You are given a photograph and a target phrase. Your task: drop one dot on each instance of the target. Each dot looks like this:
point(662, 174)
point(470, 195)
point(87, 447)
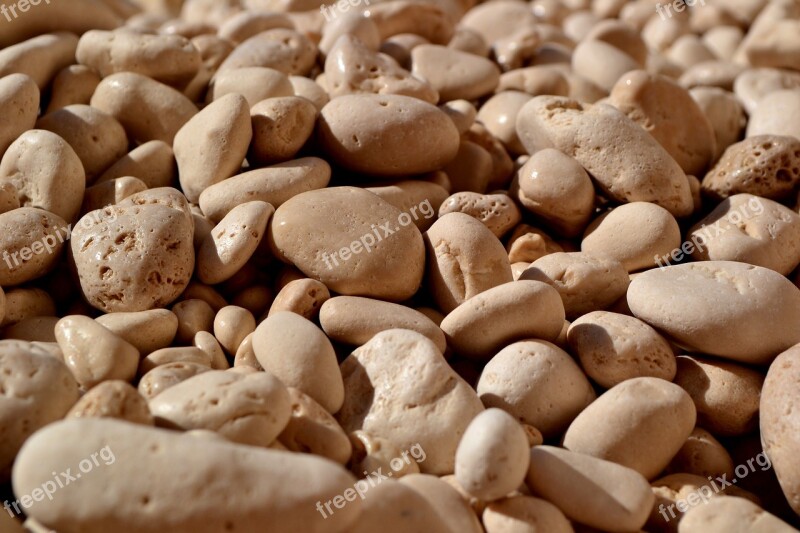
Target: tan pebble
point(472, 168)
point(350, 23)
point(715, 295)
point(466, 259)
point(651, 419)
point(763, 165)
point(180, 354)
point(32, 240)
point(585, 282)
point(689, 50)
point(621, 36)
point(45, 172)
point(209, 344)
point(35, 328)
point(304, 297)
point(399, 47)
point(162, 377)
point(585, 132)
point(426, 20)
point(520, 48)
point(22, 303)
point(152, 162)
point(395, 507)
point(461, 112)
point(723, 40)
point(142, 455)
point(309, 90)
point(496, 20)
point(776, 114)
point(470, 41)
point(312, 429)
point(371, 453)
point(702, 455)
point(538, 383)
point(93, 353)
point(754, 84)
point(199, 291)
point(380, 401)
point(598, 493)
point(639, 235)
point(521, 513)
point(527, 244)
point(19, 102)
point(499, 115)
point(446, 500)
point(193, 315)
point(245, 24)
point(97, 137)
point(613, 348)
point(473, 78)
point(40, 57)
point(146, 330)
point(147, 109)
point(245, 357)
point(555, 187)
point(472, 165)
point(420, 199)
point(726, 394)
point(497, 211)
point(535, 81)
point(772, 39)
point(725, 113)
point(282, 49)
point(281, 126)
point(602, 63)
point(113, 399)
point(254, 83)
point(231, 325)
point(245, 408)
point(387, 135)
point(732, 514)
point(503, 314)
point(353, 320)
point(298, 353)
point(670, 489)
point(111, 192)
point(352, 68)
point(8, 197)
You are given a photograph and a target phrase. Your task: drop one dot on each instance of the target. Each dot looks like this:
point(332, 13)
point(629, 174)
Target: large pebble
point(733, 515)
point(456, 75)
point(777, 113)
point(18, 95)
point(146, 330)
point(31, 241)
point(432, 410)
point(733, 310)
point(203, 468)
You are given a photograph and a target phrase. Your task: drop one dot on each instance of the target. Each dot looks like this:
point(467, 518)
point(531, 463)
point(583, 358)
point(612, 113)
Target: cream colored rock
point(387, 135)
point(499, 115)
point(8, 198)
point(772, 40)
point(232, 242)
point(144, 455)
point(429, 21)
point(209, 344)
point(702, 455)
point(39, 57)
point(538, 383)
point(111, 192)
point(497, 211)
point(725, 113)
point(352, 23)
point(19, 98)
point(754, 84)
point(602, 63)
point(448, 503)
point(245, 408)
point(310, 90)
point(34, 329)
point(179, 354)
point(303, 296)
point(147, 109)
point(466, 259)
point(170, 59)
point(584, 282)
point(113, 399)
point(74, 84)
point(350, 240)
point(740, 312)
point(312, 429)
point(504, 314)
point(379, 400)
point(254, 83)
point(231, 325)
point(281, 126)
point(37, 389)
point(524, 513)
point(202, 159)
point(639, 235)
point(613, 348)
point(733, 514)
point(194, 315)
point(763, 165)
point(274, 185)
point(640, 423)
point(395, 507)
point(627, 162)
point(46, 173)
point(492, 457)
point(147, 331)
point(472, 168)
point(352, 67)
point(527, 244)
point(297, 352)
point(245, 24)
point(282, 49)
point(152, 162)
point(493, 21)
point(462, 113)
point(454, 74)
point(32, 240)
point(416, 198)
point(591, 491)
point(535, 81)
point(93, 353)
point(621, 36)
point(371, 453)
point(776, 114)
point(22, 303)
point(165, 376)
point(353, 320)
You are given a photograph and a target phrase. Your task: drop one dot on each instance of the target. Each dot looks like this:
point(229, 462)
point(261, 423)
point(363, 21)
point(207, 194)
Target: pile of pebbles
point(400, 266)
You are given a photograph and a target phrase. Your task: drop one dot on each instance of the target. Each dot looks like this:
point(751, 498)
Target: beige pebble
point(538, 383)
point(298, 353)
point(303, 296)
point(379, 400)
point(282, 49)
point(152, 162)
point(312, 429)
point(32, 240)
point(193, 315)
point(113, 399)
point(353, 320)
point(232, 242)
point(754, 84)
point(426, 20)
point(602, 63)
point(535, 81)
point(499, 115)
point(180, 354)
point(503, 314)
point(501, 163)
point(496, 20)
point(253, 83)
point(726, 395)
point(231, 325)
point(414, 197)
point(584, 282)
point(34, 329)
point(8, 197)
point(209, 344)
point(598, 493)
point(281, 126)
point(621, 36)
point(472, 168)
point(198, 466)
point(466, 259)
point(714, 297)
point(245, 408)
point(339, 236)
point(639, 235)
point(46, 173)
point(497, 211)
point(245, 24)
point(93, 353)
point(19, 102)
point(776, 114)
point(146, 330)
point(310, 90)
point(350, 23)
point(454, 74)
point(371, 453)
point(527, 244)
point(640, 423)
point(725, 113)
point(702, 455)
point(40, 57)
point(732, 514)
point(711, 74)
point(446, 500)
point(492, 457)
point(22, 303)
point(524, 513)
point(165, 376)
point(111, 192)
point(613, 348)
point(50, 391)
point(395, 507)
point(74, 84)
point(147, 109)
point(592, 134)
